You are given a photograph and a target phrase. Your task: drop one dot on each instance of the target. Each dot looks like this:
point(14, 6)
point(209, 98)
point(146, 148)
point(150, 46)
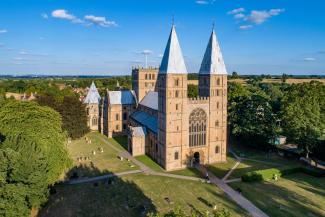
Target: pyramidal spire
point(93, 95)
point(212, 62)
point(173, 60)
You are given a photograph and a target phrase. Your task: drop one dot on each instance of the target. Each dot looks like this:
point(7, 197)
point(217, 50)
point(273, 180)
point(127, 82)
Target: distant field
point(288, 81)
point(274, 80)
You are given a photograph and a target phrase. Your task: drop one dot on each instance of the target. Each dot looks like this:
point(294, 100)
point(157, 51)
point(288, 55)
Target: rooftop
point(93, 95)
point(121, 97)
point(150, 100)
point(146, 120)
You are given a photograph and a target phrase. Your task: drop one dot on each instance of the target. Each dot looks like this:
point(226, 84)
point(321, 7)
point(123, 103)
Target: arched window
point(218, 81)
point(217, 149)
point(176, 155)
point(176, 82)
point(117, 117)
point(197, 126)
point(94, 121)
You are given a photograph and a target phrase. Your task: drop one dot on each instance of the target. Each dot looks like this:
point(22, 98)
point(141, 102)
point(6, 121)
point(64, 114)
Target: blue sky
point(106, 37)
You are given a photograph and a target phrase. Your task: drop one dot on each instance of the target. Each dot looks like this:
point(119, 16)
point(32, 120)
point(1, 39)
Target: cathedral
point(158, 117)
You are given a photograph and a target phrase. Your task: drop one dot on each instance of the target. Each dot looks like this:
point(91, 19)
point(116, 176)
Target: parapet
point(198, 100)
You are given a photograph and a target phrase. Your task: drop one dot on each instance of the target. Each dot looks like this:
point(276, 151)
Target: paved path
point(125, 154)
point(238, 198)
point(230, 171)
point(234, 195)
point(232, 180)
point(98, 178)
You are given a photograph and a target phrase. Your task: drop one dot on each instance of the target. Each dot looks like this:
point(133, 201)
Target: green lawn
point(146, 160)
point(221, 169)
point(125, 196)
point(120, 142)
point(254, 160)
point(157, 168)
point(106, 162)
point(297, 195)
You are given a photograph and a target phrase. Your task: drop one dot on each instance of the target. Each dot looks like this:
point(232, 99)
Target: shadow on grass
point(108, 197)
point(287, 199)
point(121, 141)
point(84, 171)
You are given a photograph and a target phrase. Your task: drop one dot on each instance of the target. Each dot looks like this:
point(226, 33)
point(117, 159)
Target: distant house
point(21, 96)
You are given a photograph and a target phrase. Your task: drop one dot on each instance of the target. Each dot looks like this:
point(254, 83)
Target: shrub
point(264, 175)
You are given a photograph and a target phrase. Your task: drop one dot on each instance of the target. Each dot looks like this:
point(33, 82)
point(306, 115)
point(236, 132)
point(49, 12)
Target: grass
point(188, 172)
point(157, 168)
point(120, 142)
point(296, 195)
point(146, 160)
point(125, 196)
point(106, 162)
point(221, 169)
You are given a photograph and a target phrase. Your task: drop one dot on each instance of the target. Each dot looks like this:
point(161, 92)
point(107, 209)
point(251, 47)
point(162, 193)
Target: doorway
point(197, 158)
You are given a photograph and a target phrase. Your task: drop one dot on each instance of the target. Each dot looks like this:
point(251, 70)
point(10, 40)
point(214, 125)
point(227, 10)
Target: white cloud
point(259, 17)
point(160, 55)
point(45, 16)
point(245, 27)
point(201, 2)
point(3, 31)
point(239, 16)
point(101, 21)
point(23, 52)
point(255, 17)
point(309, 59)
point(64, 14)
point(236, 11)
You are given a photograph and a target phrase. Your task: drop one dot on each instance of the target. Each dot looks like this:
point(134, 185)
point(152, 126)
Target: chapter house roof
point(123, 97)
point(150, 100)
point(173, 60)
point(212, 62)
point(93, 95)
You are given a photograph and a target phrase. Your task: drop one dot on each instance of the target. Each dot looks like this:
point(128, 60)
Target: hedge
point(268, 174)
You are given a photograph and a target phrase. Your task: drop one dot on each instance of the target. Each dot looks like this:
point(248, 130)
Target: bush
point(264, 175)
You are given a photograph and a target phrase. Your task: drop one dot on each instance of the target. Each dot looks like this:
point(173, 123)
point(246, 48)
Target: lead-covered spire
point(173, 60)
point(93, 95)
point(212, 62)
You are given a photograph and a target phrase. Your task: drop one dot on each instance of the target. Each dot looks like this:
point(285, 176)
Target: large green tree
point(251, 117)
point(303, 115)
point(72, 111)
point(32, 155)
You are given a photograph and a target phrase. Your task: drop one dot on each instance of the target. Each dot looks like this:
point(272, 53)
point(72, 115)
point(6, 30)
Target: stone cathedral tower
point(172, 101)
point(213, 84)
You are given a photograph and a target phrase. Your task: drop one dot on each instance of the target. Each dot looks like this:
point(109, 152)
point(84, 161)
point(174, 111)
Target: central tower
point(172, 101)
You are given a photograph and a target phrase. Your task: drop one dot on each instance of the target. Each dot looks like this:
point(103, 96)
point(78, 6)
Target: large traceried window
point(197, 128)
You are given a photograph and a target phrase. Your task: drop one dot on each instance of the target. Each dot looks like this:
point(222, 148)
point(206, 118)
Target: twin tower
point(191, 130)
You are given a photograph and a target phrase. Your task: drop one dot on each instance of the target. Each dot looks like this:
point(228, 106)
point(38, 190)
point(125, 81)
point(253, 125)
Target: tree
point(234, 75)
point(284, 77)
point(72, 111)
point(303, 115)
point(32, 155)
point(253, 121)
point(192, 91)
point(38, 125)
